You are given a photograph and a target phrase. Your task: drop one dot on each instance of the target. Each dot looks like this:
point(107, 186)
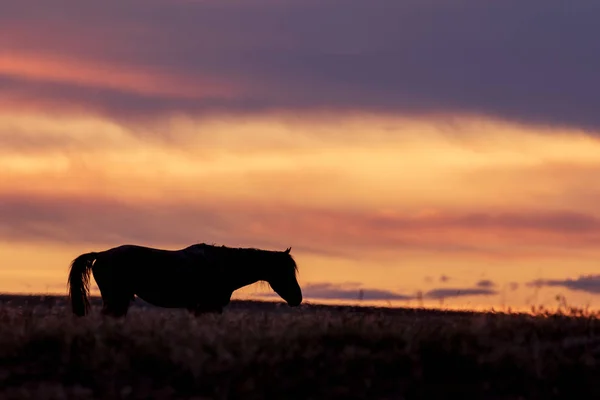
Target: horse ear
point(288, 250)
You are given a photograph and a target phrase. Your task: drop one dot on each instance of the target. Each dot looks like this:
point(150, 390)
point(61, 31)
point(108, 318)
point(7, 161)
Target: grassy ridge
point(313, 352)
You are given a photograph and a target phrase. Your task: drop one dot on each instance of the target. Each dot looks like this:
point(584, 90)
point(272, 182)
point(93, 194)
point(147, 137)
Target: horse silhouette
point(200, 277)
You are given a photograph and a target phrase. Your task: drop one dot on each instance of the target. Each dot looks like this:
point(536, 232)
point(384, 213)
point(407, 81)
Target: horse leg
point(116, 305)
point(214, 305)
point(115, 298)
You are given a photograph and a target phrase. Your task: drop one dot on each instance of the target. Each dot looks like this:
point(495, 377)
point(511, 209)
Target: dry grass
point(318, 353)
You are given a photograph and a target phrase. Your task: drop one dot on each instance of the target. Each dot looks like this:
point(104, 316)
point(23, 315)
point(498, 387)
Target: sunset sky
point(398, 146)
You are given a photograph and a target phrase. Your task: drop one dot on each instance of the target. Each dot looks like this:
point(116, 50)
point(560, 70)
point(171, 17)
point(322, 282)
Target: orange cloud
point(171, 122)
point(382, 201)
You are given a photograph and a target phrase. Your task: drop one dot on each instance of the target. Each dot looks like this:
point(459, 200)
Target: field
point(266, 350)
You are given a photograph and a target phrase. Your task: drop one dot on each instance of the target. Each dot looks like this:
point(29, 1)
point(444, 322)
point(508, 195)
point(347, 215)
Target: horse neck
point(249, 268)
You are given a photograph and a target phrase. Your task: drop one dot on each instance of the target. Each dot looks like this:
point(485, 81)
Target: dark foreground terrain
point(264, 350)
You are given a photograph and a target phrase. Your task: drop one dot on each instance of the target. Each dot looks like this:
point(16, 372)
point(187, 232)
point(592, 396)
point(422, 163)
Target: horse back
point(188, 263)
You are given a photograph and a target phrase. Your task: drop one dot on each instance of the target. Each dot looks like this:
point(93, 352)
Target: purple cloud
point(584, 283)
point(522, 61)
point(458, 292)
point(485, 283)
point(326, 290)
point(331, 291)
point(341, 292)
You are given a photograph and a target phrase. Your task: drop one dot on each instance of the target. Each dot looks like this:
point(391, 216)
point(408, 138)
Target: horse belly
point(161, 299)
point(167, 292)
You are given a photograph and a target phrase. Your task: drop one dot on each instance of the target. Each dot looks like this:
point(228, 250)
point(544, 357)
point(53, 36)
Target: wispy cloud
point(263, 55)
point(584, 283)
point(485, 283)
point(445, 293)
point(342, 292)
point(331, 291)
point(549, 221)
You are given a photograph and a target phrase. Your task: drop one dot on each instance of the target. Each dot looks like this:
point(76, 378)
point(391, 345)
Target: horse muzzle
point(295, 302)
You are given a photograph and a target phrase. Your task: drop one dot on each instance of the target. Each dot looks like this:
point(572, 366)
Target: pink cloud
point(102, 220)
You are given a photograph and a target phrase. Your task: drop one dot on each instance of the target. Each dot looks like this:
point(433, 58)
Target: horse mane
point(235, 252)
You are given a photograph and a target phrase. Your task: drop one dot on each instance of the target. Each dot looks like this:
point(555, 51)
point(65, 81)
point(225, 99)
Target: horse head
point(282, 277)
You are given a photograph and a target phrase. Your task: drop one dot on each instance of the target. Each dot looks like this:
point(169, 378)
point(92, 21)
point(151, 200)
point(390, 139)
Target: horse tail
point(78, 283)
